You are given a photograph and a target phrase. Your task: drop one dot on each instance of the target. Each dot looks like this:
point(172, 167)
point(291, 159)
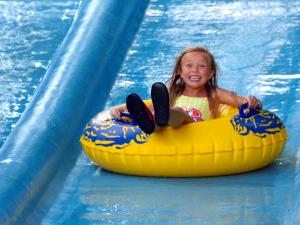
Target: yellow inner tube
point(226, 145)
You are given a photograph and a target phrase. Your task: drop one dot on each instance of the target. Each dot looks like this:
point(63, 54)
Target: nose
point(195, 68)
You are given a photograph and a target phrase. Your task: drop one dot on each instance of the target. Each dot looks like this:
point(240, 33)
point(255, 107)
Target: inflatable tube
point(234, 143)
point(44, 145)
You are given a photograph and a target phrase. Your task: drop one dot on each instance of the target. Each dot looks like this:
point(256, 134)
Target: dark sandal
point(140, 113)
point(160, 100)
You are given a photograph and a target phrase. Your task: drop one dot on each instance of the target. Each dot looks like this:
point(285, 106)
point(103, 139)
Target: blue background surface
point(256, 46)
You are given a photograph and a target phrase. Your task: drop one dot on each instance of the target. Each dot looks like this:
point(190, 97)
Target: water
point(30, 32)
point(245, 37)
point(256, 46)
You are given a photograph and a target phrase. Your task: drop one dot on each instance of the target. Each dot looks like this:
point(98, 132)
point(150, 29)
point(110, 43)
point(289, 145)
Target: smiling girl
point(192, 95)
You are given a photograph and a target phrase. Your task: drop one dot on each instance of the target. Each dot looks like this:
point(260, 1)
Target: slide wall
point(75, 87)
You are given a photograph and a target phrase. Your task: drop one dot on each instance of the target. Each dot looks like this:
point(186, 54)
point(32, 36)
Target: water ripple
point(30, 32)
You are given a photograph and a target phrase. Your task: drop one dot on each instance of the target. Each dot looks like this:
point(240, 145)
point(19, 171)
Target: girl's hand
point(116, 111)
point(254, 103)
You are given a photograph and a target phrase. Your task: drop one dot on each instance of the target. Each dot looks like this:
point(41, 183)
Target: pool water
point(30, 32)
point(256, 45)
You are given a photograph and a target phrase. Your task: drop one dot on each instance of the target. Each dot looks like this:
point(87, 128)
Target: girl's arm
point(230, 98)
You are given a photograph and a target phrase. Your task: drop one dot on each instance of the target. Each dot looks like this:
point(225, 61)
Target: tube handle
point(245, 112)
point(127, 119)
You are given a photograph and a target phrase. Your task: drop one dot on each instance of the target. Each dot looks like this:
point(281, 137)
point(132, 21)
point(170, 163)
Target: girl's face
point(195, 70)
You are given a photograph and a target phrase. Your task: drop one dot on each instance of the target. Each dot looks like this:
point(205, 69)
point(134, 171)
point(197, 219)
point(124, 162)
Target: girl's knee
point(178, 117)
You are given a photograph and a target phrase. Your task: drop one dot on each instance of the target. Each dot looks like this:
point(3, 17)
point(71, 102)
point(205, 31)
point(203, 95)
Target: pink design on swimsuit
point(195, 114)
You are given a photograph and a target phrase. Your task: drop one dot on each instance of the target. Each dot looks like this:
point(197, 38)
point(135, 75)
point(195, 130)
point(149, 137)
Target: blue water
point(256, 45)
point(30, 33)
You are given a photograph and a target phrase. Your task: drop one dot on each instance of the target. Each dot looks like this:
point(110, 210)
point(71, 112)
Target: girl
point(192, 95)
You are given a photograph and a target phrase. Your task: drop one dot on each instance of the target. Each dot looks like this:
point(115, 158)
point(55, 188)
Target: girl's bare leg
point(178, 117)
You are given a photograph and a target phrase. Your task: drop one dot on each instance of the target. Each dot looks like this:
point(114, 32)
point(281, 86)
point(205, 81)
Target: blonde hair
point(176, 85)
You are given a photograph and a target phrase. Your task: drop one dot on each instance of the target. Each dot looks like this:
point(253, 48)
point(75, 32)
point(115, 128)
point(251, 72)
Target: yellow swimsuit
point(196, 107)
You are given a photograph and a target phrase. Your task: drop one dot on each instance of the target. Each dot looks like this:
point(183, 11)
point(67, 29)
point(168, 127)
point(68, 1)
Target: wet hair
point(176, 85)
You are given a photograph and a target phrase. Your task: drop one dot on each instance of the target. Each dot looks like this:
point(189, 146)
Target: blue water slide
point(75, 86)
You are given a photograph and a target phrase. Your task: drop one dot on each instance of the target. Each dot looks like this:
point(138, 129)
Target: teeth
point(194, 78)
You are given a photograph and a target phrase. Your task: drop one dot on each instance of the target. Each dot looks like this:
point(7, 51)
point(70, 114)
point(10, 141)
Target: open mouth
point(194, 78)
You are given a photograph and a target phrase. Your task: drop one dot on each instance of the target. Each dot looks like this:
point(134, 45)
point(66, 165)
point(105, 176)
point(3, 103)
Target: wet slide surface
point(256, 46)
